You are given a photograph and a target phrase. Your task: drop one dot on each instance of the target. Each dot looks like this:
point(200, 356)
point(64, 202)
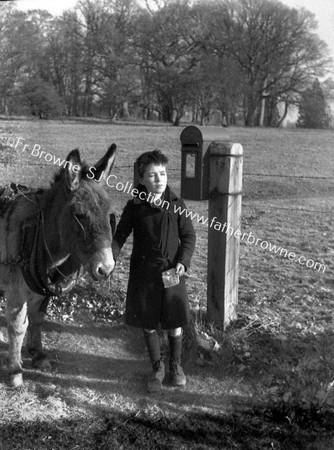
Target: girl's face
point(155, 178)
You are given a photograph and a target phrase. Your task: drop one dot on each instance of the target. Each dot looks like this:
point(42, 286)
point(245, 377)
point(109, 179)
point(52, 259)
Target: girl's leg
point(155, 379)
point(177, 376)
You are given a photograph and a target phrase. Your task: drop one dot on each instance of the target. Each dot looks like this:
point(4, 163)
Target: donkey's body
point(71, 227)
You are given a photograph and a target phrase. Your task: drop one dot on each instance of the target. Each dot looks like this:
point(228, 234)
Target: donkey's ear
point(105, 164)
point(73, 170)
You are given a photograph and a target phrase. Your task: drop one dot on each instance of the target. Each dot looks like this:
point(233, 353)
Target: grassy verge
point(265, 383)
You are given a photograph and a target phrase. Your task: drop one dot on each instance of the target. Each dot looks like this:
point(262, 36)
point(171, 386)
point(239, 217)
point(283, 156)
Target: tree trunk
point(224, 119)
point(125, 110)
point(202, 117)
point(198, 115)
point(167, 114)
point(177, 119)
point(251, 114)
point(286, 108)
point(250, 119)
point(178, 116)
point(75, 103)
point(251, 102)
point(263, 103)
point(5, 106)
point(193, 115)
point(262, 112)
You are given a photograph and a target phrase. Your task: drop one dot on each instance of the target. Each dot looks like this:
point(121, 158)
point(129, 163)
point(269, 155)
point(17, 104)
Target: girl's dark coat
point(161, 238)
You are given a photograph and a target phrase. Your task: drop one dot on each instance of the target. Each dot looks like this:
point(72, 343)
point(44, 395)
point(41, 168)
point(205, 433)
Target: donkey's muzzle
point(102, 264)
point(103, 271)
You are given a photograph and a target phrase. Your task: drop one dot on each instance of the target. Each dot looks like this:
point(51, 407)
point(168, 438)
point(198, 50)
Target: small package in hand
point(170, 278)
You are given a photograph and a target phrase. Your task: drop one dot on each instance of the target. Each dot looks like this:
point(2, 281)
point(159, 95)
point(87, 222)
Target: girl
point(163, 240)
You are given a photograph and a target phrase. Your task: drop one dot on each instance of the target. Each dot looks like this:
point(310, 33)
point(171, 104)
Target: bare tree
point(275, 47)
point(169, 56)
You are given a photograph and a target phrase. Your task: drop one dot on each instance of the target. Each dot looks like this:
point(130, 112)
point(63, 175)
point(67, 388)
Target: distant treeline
point(248, 60)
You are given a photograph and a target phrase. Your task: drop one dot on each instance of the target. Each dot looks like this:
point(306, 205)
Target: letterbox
point(194, 165)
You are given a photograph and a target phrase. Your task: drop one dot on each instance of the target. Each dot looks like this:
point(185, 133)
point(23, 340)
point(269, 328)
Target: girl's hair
point(147, 158)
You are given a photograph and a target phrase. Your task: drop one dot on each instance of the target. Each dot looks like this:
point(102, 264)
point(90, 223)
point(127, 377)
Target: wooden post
point(224, 231)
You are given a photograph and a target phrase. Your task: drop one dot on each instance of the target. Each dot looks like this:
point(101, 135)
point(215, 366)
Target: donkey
point(46, 235)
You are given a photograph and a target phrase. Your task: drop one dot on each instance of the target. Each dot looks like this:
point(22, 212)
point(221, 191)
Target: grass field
point(270, 384)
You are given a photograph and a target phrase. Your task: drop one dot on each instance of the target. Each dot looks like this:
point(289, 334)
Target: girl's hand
point(180, 270)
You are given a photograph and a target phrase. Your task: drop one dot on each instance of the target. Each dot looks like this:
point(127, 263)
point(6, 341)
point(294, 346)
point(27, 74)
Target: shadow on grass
point(75, 329)
point(243, 430)
point(248, 424)
point(110, 378)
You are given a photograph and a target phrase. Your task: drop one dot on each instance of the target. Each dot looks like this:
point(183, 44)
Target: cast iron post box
point(194, 165)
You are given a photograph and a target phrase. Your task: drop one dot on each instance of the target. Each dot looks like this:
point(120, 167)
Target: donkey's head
point(84, 220)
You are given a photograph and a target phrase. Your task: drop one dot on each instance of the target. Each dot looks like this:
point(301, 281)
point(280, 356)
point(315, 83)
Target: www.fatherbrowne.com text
point(128, 188)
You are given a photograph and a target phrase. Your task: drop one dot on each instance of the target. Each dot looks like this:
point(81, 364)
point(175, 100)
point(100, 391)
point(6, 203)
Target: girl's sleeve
point(123, 230)
point(187, 238)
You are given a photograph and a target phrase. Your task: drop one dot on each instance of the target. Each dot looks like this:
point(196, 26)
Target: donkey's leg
point(36, 315)
point(17, 324)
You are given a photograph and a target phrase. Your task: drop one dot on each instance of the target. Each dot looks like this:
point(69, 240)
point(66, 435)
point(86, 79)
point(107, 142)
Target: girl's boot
point(177, 376)
point(155, 379)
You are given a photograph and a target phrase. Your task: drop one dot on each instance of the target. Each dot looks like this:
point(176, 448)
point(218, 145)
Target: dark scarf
point(168, 218)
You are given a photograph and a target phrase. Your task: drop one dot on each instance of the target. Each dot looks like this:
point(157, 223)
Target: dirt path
point(97, 383)
point(111, 361)
point(95, 398)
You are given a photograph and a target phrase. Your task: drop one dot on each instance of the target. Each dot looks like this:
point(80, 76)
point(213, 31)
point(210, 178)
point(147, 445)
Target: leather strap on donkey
point(10, 192)
point(34, 255)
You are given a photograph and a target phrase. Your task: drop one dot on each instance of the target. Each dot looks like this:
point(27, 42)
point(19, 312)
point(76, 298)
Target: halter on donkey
point(45, 237)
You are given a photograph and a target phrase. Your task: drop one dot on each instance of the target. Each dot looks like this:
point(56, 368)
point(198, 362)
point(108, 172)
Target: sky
point(323, 10)
point(324, 13)
point(55, 7)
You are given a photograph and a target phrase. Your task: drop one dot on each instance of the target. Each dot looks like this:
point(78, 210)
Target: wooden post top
point(225, 148)
point(225, 168)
